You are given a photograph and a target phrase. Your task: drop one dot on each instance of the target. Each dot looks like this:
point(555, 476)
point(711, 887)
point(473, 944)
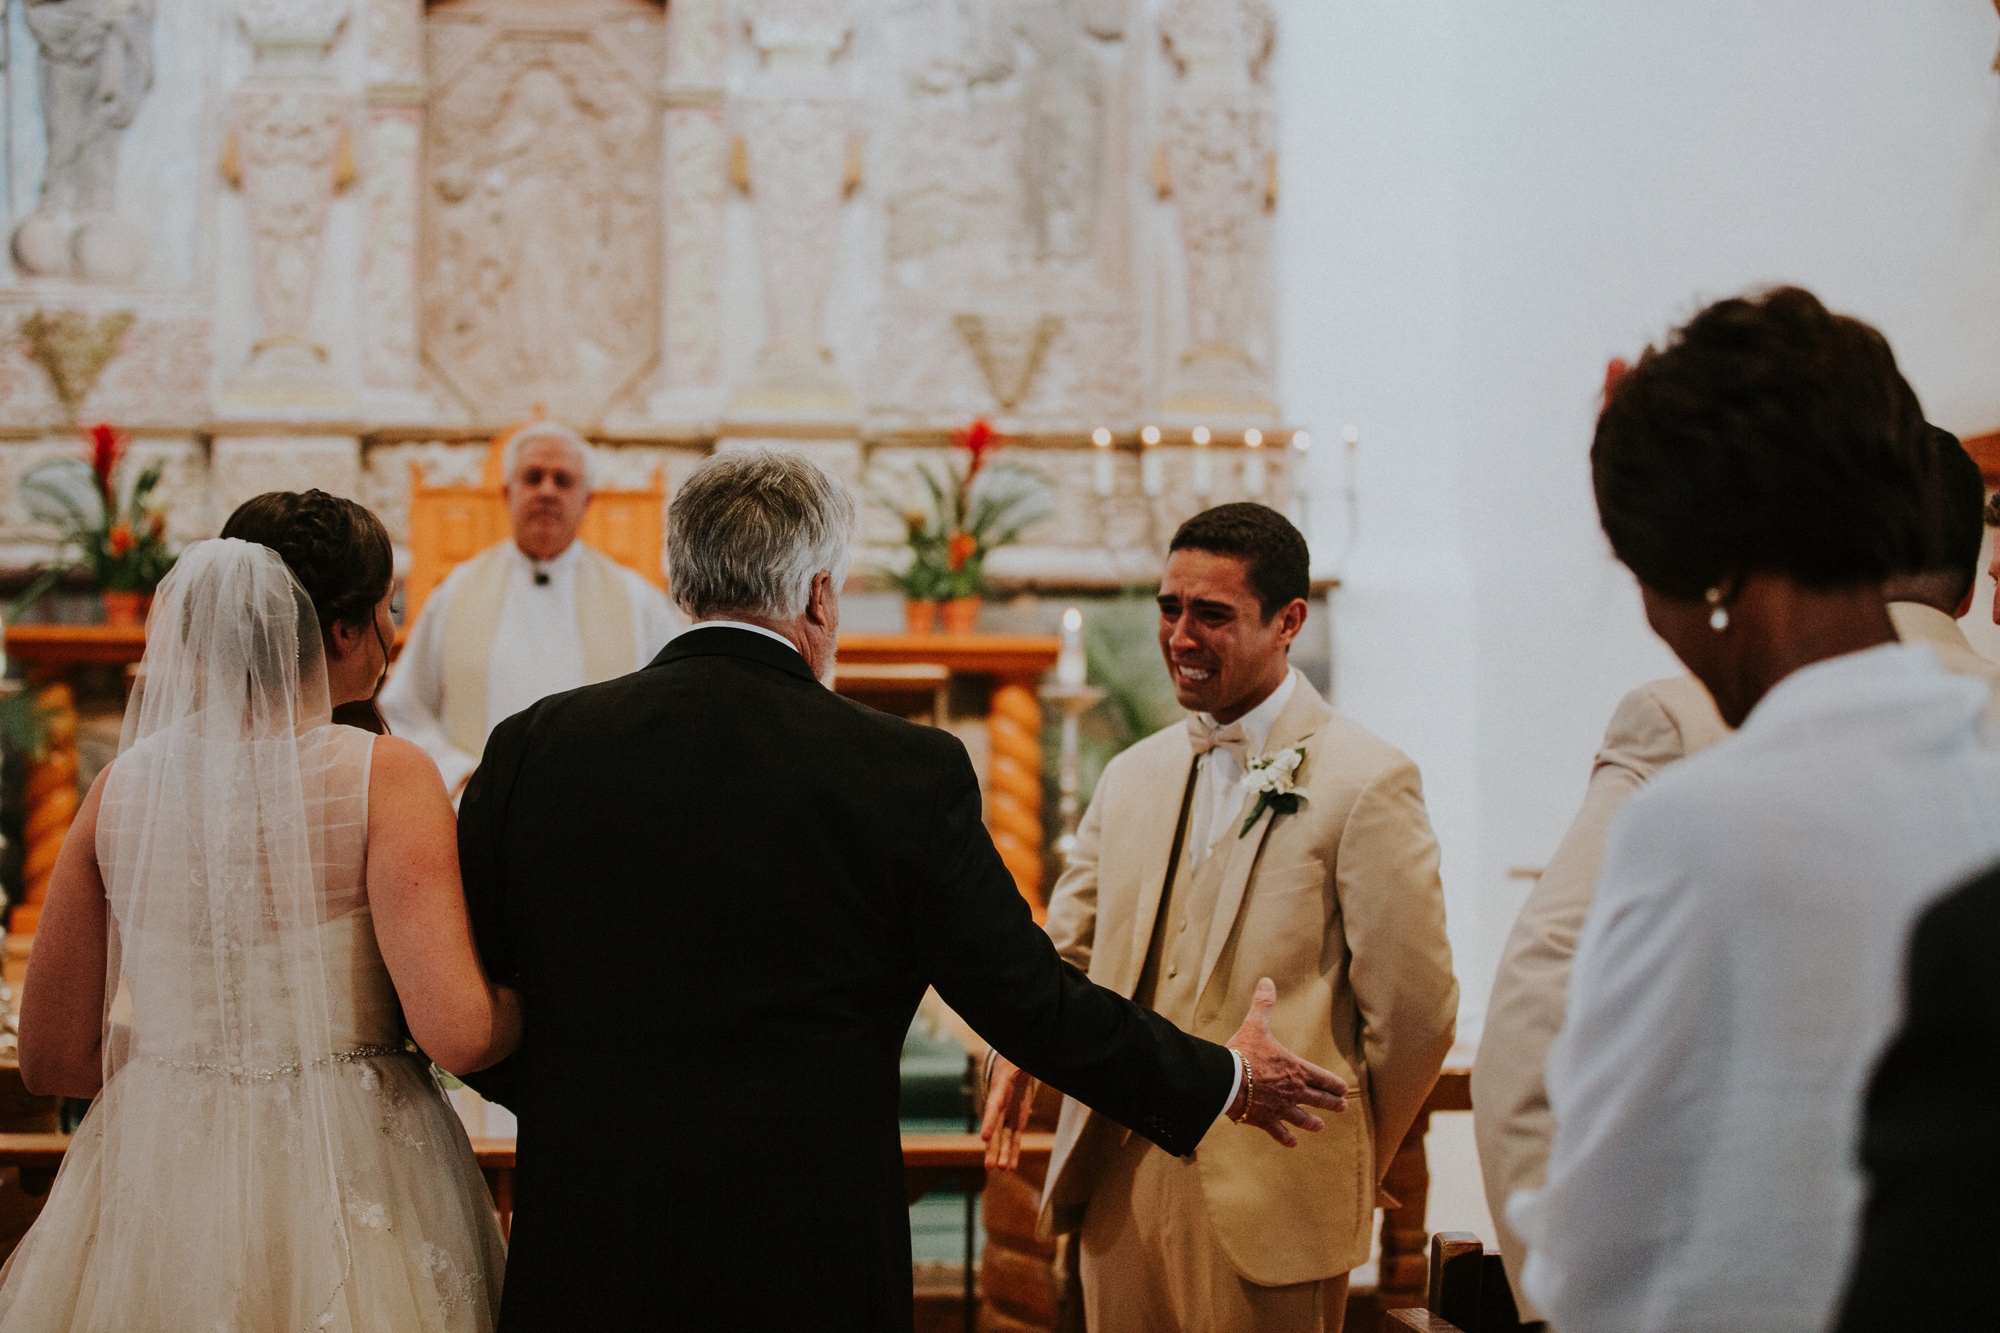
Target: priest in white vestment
point(528, 617)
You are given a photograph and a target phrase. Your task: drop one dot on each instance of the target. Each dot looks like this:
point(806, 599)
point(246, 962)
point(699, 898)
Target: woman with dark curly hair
point(1761, 475)
point(252, 903)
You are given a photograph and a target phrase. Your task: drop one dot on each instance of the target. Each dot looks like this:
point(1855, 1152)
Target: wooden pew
point(1468, 1291)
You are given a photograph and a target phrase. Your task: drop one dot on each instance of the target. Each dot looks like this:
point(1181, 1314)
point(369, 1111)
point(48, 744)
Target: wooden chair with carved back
point(450, 524)
point(1469, 1292)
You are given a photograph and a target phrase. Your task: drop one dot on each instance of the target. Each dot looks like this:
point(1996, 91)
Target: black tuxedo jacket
point(1931, 1138)
point(721, 890)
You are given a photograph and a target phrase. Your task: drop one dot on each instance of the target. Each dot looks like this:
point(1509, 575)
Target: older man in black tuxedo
point(722, 890)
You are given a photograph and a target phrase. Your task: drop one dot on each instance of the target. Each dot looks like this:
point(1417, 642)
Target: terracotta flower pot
point(920, 617)
point(961, 615)
point(125, 610)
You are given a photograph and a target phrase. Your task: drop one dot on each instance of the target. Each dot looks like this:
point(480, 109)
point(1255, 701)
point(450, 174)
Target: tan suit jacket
point(1339, 903)
point(1654, 725)
point(1917, 623)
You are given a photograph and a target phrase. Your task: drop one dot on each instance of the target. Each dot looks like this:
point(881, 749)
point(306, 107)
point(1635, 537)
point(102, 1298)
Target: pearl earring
point(1718, 619)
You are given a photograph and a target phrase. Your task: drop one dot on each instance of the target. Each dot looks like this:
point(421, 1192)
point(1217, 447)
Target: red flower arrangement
point(975, 507)
point(121, 541)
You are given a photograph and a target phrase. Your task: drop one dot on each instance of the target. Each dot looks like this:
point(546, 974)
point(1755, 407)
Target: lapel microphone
point(541, 578)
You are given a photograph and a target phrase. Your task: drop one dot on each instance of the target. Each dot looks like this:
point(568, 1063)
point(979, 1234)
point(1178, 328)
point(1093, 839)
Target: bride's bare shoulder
point(401, 766)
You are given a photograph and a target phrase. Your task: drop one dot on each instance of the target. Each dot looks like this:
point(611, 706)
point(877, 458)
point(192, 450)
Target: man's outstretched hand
point(1279, 1086)
point(1010, 1096)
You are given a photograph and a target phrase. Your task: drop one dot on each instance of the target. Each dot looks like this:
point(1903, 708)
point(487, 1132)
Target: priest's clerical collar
point(542, 572)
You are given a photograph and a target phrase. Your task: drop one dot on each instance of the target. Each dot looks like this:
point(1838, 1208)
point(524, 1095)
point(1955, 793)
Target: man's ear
point(823, 598)
point(1292, 619)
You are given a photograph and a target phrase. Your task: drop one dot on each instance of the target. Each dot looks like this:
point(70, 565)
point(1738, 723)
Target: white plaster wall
point(1486, 201)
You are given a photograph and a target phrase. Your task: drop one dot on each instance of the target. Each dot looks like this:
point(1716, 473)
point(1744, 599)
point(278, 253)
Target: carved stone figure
point(1217, 163)
point(799, 166)
point(1062, 120)
point(1019, 90)
point(289, 148)
point(541, 246)
point(95, 69)
point(697, 187)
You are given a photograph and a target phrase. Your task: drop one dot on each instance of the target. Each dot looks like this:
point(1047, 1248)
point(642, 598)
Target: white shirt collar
point(1257, 723)
point(743, 624)
point(556, 566)
point(1889, 678)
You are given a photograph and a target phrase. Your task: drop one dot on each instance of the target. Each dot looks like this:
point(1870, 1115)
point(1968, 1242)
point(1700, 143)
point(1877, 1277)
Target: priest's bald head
point(762, 537)
point(547, 466)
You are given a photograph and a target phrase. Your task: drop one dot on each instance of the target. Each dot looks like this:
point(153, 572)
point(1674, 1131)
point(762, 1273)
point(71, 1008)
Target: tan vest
point(603, 622)
point(1172, 969)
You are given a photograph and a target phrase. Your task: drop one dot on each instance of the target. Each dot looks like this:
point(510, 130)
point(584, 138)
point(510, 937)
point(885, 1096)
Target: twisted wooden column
point(1014, 785)
point(1403, 1268)
point(50, 801)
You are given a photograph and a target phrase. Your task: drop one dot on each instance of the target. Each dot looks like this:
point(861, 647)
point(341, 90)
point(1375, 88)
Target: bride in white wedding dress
point(247, 895)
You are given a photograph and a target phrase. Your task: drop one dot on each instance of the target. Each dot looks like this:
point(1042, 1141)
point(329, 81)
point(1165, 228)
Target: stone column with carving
point(393, 136)
point(799, 162)
point(1216, 161)
point(697, 185)
point(94, 71)
point(289, 148)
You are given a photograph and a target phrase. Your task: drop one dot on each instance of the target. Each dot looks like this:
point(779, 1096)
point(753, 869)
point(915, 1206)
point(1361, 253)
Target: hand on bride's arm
point(461, 1019)
point(62, 1012)
point(1010, 1097)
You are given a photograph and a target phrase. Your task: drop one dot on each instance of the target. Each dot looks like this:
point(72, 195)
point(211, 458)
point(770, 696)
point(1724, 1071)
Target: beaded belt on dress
point(246, 1074)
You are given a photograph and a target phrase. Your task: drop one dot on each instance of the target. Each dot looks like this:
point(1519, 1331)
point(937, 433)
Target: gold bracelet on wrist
point(1249, 1085)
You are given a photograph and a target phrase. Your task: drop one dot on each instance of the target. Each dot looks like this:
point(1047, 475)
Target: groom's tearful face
point(1224, 654)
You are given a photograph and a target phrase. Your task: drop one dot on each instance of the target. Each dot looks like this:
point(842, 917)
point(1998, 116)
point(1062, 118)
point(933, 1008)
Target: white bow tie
point(1206, 735)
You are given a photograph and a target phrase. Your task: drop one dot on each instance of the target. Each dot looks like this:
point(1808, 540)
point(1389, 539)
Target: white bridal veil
point(263, 1157)
point(219, 1200)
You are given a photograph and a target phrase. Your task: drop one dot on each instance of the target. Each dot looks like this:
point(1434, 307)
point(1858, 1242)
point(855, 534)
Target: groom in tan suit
point(1187, 886)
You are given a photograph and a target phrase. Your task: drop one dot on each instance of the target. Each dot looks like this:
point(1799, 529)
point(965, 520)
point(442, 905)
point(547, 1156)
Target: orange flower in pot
point(974, 507)
point(112, 528)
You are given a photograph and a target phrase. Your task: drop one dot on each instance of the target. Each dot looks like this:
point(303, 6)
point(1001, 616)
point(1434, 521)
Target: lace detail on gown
point(184, 1201)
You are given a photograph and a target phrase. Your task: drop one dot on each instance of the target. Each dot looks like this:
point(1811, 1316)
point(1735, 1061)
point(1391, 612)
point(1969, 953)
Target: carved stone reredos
point(541, 205)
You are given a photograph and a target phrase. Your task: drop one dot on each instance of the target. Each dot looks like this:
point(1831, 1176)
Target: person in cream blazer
point(1654, 726)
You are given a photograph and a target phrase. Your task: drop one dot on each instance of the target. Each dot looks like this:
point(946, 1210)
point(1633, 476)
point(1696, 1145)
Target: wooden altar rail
point(938, 1161)
point(930, 1162)
point(1013, 662)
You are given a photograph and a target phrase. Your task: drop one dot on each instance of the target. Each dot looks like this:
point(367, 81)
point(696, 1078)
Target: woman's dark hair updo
point(1768, 436)
point(337, 550)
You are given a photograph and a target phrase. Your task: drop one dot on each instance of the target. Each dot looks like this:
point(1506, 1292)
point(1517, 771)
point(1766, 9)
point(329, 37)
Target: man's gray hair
point(750, 529)
point(510, 452)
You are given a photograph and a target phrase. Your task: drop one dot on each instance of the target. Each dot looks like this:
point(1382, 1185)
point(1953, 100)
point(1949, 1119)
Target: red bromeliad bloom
point(961, 549)
point(103, 454)
point(120, 540)
point(978, 439)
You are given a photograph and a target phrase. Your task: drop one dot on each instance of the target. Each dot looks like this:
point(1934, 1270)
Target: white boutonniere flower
point(1271, 777)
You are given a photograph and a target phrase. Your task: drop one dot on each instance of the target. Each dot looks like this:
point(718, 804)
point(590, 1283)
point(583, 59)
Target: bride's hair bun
point(337, 549)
